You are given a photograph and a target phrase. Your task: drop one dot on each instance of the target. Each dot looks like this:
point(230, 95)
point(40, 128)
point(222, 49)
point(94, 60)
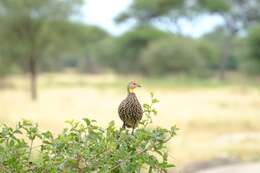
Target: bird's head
point(131, 86)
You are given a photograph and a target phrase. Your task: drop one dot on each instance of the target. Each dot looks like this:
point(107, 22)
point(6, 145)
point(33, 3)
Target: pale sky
point(103, 12)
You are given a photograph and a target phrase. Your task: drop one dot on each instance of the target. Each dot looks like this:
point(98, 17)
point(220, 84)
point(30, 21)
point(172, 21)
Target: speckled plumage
point(130, 111)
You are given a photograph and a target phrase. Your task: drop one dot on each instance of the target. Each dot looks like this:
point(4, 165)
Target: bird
point(130, 110)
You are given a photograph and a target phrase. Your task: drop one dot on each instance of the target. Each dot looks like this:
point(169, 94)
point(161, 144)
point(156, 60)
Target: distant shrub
point(173, 55)
point(85, 147)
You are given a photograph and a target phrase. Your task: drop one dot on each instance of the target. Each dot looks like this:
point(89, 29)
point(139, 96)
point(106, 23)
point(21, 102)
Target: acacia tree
point(28, 28)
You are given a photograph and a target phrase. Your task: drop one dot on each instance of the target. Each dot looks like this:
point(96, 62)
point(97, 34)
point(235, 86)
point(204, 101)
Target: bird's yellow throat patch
point(131, 90)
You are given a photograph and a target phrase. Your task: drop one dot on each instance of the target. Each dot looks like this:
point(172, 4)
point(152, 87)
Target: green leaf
point(154, 111)
point(87, 121)
point(146, 106)
point(154, 100)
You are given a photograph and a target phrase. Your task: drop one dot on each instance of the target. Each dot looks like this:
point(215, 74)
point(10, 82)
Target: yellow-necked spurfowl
point(130, 110)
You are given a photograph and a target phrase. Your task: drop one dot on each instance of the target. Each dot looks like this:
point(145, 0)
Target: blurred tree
point(216, 38)
point(237, 16)
point(106, 52)
point(90, 39)
point(74, 47)
point(174, 55)
point(145, 12)
point(240, 57)
point(209, 51)
point(130, 45)
point(27, 29)
point(254, 48)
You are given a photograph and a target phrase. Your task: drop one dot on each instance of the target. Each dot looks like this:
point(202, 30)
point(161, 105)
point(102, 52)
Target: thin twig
point(30, 150)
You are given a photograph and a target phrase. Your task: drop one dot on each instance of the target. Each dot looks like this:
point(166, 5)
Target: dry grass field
point(214, 120)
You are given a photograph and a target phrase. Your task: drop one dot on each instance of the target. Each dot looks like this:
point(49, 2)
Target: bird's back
point(130, 111)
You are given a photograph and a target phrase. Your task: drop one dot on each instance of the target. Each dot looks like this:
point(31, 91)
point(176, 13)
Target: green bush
point(85, 147)
point(173, 55)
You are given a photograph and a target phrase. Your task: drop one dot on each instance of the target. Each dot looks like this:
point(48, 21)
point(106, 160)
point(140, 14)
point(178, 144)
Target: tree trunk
point(33, 77)
point(224, 58)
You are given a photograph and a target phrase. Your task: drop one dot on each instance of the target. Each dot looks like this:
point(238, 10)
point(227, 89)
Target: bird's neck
point(130, 91)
